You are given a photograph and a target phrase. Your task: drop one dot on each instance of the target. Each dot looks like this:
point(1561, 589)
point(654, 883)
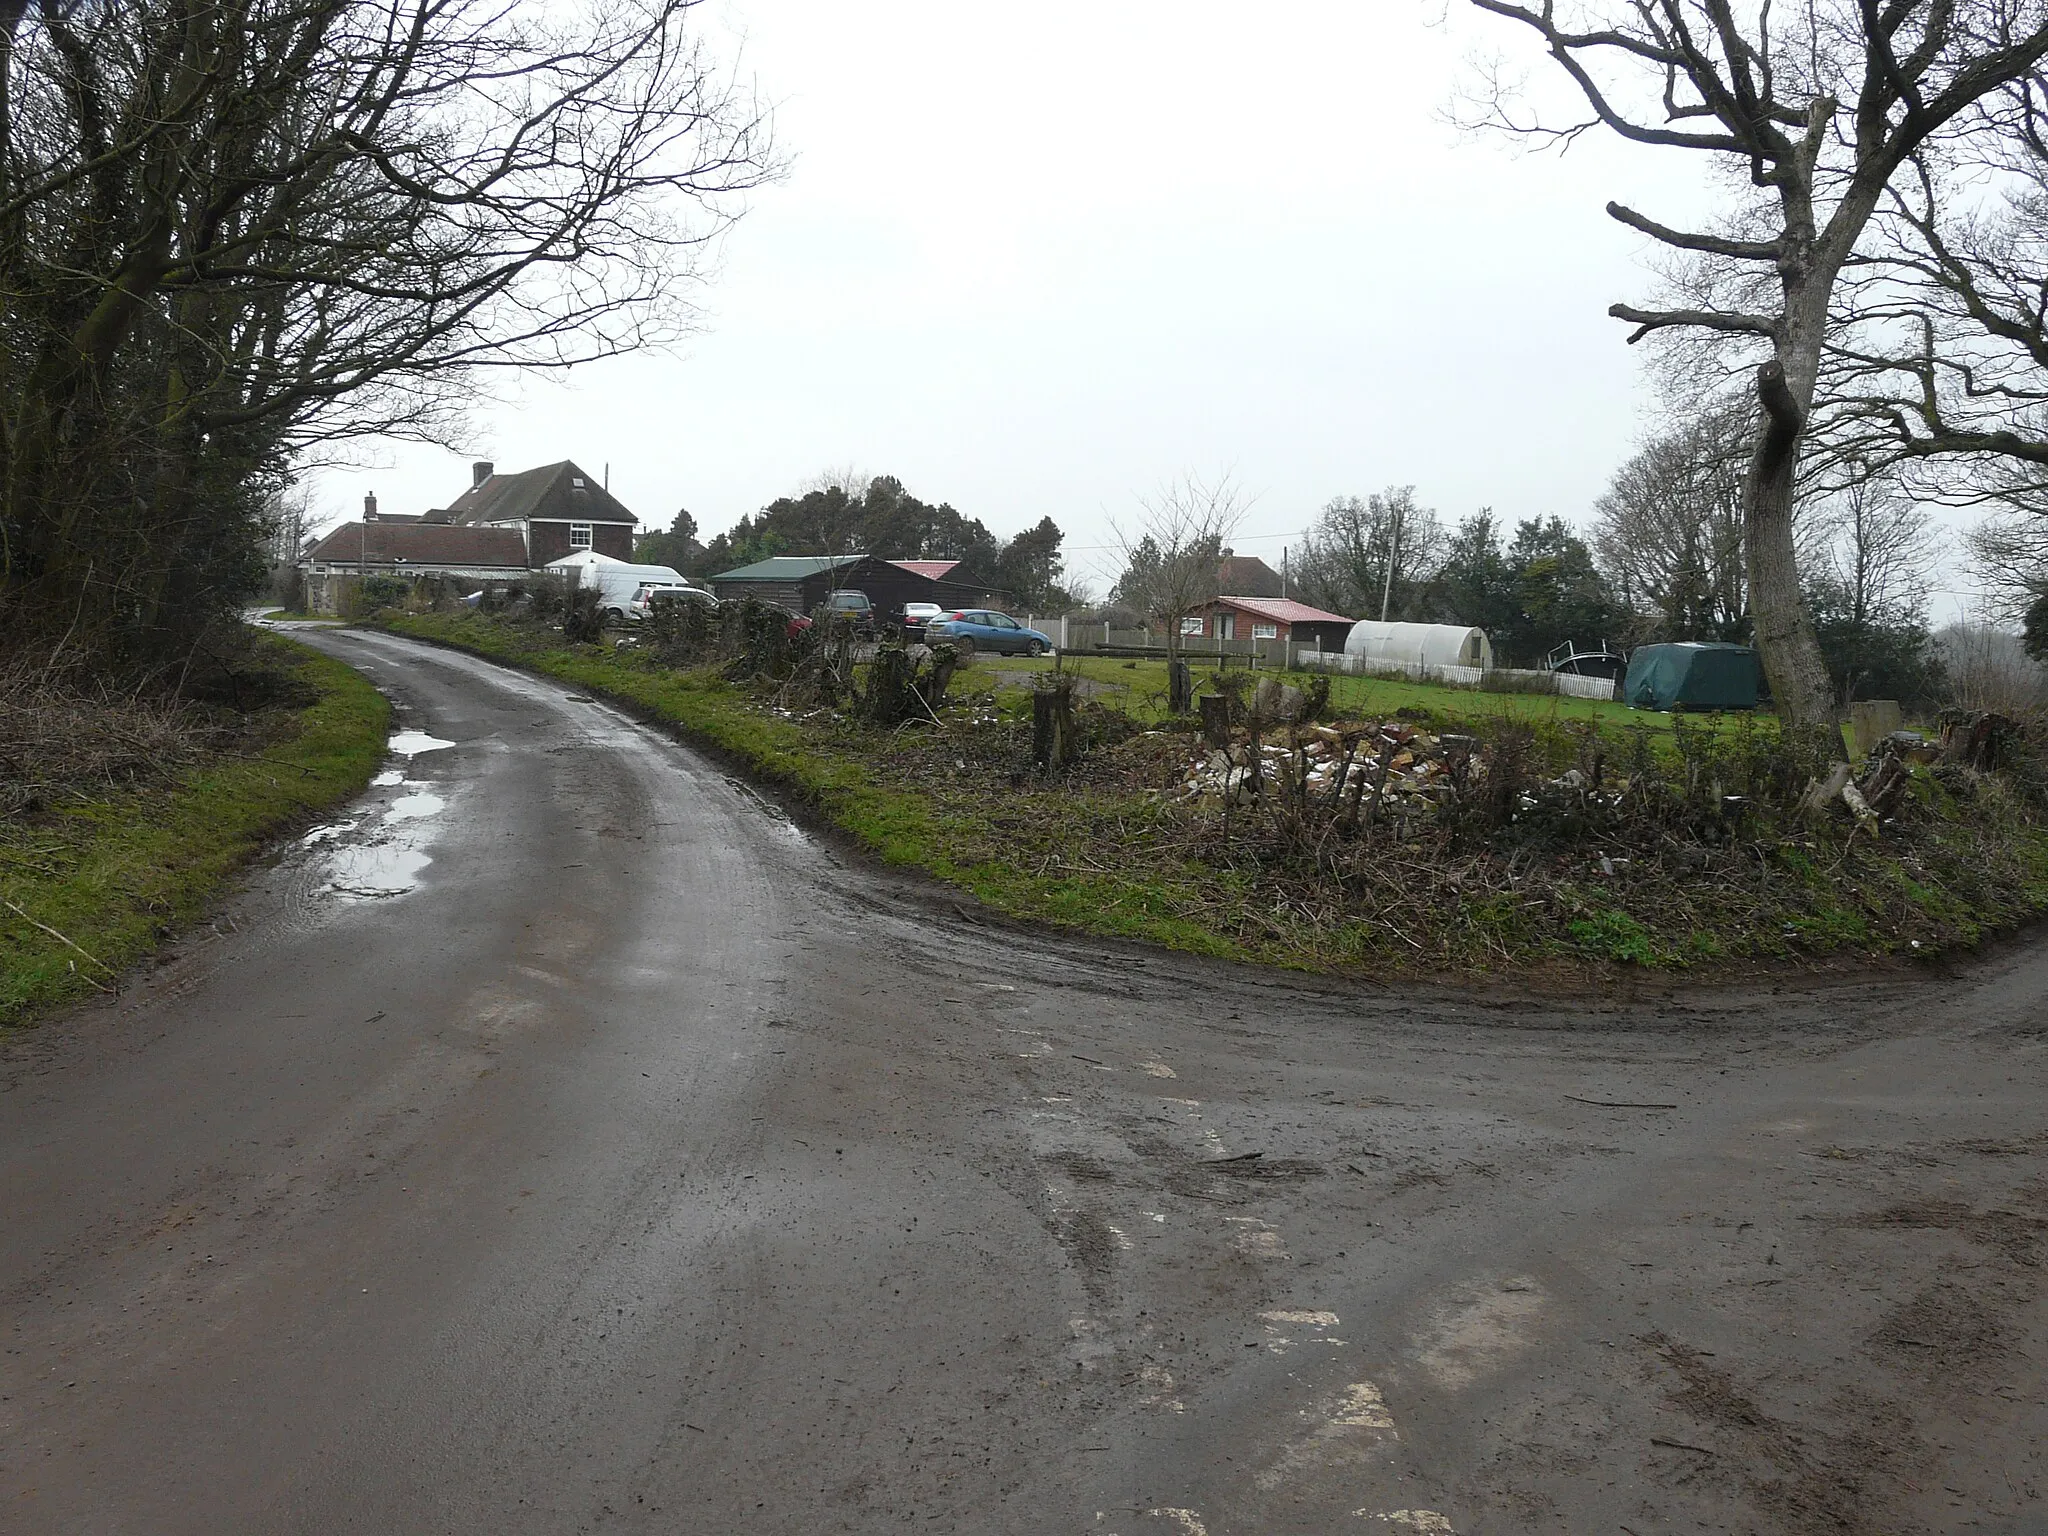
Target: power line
point(1235, 539)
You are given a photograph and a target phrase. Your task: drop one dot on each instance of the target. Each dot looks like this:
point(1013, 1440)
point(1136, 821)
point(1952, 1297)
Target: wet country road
point(563, 1142)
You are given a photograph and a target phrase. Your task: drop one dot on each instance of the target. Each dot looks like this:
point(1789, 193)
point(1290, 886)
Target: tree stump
point(1974, 740)
point(1215, 719)
point(1053, 736)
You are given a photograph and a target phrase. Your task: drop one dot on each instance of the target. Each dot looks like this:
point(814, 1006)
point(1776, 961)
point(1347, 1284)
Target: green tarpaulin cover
point(1692, 674)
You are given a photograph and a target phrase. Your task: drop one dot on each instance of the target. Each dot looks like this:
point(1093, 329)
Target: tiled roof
point(1283, 610)
point(1248, 573)
point(553, 493)
point(422, 544)
point(934, 569)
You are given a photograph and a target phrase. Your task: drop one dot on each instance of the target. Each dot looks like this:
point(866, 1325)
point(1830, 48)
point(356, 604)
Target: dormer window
point(579, 535)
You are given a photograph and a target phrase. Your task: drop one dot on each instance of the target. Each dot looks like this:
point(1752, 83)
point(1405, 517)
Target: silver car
point(654, 592)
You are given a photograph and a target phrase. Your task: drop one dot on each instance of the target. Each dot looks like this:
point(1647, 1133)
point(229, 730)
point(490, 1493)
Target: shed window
point(1265, 631)
point(1191, 625)
point(579, 535)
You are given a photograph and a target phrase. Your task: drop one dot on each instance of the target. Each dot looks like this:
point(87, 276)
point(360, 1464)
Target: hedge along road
point(562, 1141)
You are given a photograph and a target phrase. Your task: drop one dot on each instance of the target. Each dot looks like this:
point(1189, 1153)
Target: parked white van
point(615, 580)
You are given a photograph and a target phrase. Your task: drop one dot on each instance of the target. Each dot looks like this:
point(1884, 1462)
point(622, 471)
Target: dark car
point(983, 629)
point(850, 606)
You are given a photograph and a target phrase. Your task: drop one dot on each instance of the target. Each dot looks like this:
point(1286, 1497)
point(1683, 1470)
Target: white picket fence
point(1083, 636)
point(1567, 683)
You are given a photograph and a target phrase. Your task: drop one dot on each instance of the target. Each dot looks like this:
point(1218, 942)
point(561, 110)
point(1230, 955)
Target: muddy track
point(562, 1142)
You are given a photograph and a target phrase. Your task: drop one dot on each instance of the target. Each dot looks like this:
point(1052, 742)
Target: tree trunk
point(1784, 632)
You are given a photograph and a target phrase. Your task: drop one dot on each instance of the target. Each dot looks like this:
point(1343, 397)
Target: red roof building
point(1267, 618)
point(934, 570)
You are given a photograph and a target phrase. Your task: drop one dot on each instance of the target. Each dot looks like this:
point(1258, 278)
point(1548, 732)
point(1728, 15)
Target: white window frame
point(580, 535)
point(1192, 624)
point(1265, 631)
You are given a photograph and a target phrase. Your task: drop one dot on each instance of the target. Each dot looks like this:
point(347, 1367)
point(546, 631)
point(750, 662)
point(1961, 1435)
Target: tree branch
point(1712, 245)
point(1650, 320)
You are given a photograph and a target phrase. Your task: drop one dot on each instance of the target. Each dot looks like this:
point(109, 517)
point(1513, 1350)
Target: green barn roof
point(788, 567)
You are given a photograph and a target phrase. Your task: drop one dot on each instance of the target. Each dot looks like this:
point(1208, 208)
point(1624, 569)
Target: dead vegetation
point(59, 743)
point(1492, 839)
point(66, 738)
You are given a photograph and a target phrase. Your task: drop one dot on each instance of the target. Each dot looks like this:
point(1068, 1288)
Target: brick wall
point(546, 542)
point(550, 541)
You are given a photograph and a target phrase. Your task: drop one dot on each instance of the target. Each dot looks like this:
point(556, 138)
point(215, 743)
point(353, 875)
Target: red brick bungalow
point(1279, 619)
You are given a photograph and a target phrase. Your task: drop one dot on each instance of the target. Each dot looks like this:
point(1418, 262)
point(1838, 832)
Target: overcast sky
point(1038, 261)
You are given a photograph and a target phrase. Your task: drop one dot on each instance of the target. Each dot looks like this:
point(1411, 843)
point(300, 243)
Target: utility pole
point(1393, 558)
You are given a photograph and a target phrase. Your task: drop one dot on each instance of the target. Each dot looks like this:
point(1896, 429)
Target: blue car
point(982, 629)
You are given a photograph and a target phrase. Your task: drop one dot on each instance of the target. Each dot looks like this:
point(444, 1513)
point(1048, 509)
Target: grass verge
point(115, 872)
point(1103, 850)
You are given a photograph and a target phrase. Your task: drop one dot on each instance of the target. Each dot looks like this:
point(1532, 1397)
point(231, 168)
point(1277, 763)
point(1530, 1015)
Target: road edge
point(175, 853)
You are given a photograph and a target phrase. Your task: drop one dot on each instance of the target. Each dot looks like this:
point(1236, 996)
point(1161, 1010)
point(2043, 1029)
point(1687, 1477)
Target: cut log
point(1885, 790)
point(1821, 793)
point(1853, 798)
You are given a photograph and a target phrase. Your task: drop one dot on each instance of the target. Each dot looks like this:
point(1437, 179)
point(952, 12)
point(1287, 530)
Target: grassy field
point(1139, 687)
point(1112, 848)
point(114, 873)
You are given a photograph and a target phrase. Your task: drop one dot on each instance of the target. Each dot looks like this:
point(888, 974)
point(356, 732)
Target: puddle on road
point(374, 871)
point(412, 743)
point(383, 853)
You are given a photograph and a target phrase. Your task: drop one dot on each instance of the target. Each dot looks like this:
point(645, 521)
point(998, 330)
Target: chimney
point(1228, 552)
point(481, 471)
point(370, 507)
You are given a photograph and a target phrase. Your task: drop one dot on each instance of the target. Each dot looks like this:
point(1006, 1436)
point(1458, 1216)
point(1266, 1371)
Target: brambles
point(582, 619)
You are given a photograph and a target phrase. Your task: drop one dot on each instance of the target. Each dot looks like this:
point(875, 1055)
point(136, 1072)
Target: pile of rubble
point(1332, 763)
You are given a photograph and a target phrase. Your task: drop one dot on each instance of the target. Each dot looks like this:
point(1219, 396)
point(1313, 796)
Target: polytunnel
point(1419, 645)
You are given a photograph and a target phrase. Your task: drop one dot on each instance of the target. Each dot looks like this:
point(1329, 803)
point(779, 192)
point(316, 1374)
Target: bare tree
point(1668, 531)
point(232, 232)
point(1876, 548)
point(1989, 668)
point(1173, 554)
point(288, 519)
point(2007, 552)
point(1942, 356)
point(1818, 106)
point(1372, 556)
